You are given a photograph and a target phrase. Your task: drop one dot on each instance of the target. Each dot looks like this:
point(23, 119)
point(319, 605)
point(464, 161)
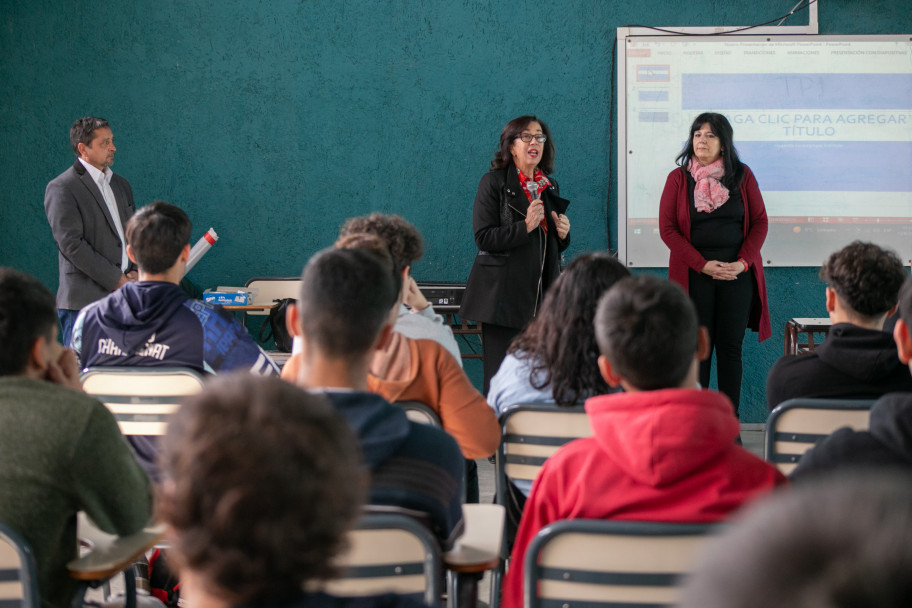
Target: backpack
point(276, 326)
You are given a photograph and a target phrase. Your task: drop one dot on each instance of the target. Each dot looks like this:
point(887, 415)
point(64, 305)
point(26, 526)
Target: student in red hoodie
point(663, 450)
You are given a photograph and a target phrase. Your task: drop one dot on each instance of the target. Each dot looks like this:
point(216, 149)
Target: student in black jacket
point(888, 442)
point(858, 358)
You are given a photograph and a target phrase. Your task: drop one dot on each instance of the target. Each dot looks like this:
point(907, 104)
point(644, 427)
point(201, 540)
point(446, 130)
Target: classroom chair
point(611, 564)
point(531, 432)
point(796, 425)
point(142, 399)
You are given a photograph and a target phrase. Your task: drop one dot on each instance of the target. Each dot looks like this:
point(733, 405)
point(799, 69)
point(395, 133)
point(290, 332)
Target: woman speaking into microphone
point(520, 231)
point(713, 220)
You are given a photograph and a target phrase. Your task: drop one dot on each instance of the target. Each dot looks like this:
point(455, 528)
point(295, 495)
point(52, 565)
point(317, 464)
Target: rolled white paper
point(199, 250)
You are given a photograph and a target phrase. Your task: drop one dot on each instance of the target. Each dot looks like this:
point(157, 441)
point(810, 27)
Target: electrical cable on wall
point(734, 31)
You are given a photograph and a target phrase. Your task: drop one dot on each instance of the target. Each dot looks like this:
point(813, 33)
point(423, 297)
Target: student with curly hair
point(416, 317)
point(888, 440)
point(554, 359)
point(263, 482)
point(858, 358)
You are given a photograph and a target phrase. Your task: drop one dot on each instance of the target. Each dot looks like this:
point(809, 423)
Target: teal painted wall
point(275, 121)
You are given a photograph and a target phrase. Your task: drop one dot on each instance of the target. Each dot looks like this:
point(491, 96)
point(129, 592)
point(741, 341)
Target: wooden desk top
point(478, 549)
point(249, 306)
point(812, 323)
point(110, 554)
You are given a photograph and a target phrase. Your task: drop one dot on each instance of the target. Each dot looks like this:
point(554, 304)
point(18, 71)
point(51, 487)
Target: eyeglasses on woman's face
point(528, 137)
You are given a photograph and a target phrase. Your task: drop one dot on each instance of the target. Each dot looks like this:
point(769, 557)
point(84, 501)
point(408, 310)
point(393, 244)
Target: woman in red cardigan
point(713, 220)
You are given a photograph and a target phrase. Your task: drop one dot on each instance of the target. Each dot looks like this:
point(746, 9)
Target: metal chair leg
point(463, 589)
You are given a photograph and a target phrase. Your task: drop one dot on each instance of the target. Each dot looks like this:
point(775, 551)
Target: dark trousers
point(67, 320)
point(495, 340)
point(723, 307)
point(471, 479)
point(516, 500)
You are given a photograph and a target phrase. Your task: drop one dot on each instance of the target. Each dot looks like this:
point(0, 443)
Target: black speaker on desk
point(444, 297)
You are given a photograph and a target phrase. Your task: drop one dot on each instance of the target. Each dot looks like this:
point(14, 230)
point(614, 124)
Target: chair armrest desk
point(477, 550)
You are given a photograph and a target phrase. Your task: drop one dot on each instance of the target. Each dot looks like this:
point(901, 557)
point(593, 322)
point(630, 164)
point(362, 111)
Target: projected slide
point(825, 123)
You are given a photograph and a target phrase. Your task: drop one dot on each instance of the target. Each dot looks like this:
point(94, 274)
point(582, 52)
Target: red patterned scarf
point(541, 182)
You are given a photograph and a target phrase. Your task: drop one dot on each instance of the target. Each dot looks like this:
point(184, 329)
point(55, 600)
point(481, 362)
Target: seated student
point(888, 441)
point(840, 542)
point(664, 450)
point(554, 359)
point(397, 372)
point(263, 484)
point(417, 318)
point(857, 359)
point(413, 466)
point(60, 450)
point(153, 323)
point(407, 369)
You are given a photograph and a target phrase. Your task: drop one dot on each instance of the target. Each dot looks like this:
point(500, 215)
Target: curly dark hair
point(865, 276)
point(721, 128)
point(262, 482)
point(503, 157)
point(560, 341)
point(403, 239)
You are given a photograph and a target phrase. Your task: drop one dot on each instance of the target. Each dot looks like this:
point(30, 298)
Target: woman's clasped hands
point(723, 271)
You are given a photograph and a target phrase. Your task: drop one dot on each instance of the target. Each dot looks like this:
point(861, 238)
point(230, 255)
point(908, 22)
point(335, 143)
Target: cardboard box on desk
point(230, 296)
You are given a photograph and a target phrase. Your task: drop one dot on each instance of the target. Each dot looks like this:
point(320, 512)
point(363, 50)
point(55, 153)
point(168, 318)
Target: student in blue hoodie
point(154, 323)
point(345, 312)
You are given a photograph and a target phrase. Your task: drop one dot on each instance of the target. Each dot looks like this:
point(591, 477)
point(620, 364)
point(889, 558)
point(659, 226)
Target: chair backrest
point(389, 553)
point(141, 398)
point(272, 288)
point(420, 412)
point(18, 572)
point(796, 425)
point(593, 563)
point(531, 433)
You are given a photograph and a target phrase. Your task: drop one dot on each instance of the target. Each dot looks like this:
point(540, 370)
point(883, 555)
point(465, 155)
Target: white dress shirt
point(103, 181)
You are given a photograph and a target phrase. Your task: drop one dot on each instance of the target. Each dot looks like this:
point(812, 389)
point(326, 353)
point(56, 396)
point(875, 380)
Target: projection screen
point(824, 122)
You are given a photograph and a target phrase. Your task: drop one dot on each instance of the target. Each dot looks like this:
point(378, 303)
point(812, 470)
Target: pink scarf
point(709, 193)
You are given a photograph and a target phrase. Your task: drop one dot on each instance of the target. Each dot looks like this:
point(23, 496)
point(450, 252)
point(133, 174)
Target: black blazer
point(89, 248)
point(513, 267)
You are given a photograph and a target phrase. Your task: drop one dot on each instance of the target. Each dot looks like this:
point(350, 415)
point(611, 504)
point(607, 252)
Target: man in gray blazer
point(88, 207)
